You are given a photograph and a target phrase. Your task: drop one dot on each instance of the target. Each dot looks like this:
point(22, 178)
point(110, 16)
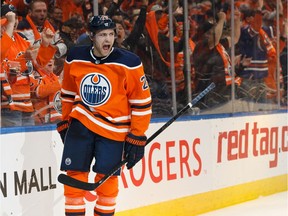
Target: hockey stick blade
point(67, 180)
point(72, 182)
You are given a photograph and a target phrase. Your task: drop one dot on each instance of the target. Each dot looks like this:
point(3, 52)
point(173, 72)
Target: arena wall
point(194, 166)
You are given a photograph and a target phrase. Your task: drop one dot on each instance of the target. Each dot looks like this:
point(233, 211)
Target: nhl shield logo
point(95, 89)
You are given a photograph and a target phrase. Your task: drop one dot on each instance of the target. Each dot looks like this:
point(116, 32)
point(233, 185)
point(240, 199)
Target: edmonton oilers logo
point(95, 89)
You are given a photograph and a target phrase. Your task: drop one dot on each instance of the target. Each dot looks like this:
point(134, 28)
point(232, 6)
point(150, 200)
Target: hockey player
point(106, 107)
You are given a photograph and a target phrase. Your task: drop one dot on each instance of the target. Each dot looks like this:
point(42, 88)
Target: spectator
point(34, 23)
point(130, 40)
point(84, 38)
point(22, 6)
point(87, 8)
point(70, 31)
point(71, 8)
point(109, 7)
point(32, 26)
point(18, 60)
point(179, 63)
point(120, 33)
point(270, 28)
point(7, 28)
point(55, 17)
point(46, 95)
point(255, 44)
point(212, 61)
point(154, 48)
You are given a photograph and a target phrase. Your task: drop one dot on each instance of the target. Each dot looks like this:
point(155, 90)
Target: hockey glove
point(62, 128)
point(134, 149)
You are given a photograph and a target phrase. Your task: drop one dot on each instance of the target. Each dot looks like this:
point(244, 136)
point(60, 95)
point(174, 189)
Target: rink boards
point(194, 166)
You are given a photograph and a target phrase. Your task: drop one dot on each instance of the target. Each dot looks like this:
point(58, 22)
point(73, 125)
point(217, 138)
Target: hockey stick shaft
point(67, 180)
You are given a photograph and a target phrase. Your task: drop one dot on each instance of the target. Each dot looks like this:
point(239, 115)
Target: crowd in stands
point(36, 36)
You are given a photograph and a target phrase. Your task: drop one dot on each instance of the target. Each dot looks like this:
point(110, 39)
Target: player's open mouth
point(106, 47)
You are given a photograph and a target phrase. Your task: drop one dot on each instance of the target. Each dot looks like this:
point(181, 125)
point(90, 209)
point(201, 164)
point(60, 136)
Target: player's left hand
point(134, 149)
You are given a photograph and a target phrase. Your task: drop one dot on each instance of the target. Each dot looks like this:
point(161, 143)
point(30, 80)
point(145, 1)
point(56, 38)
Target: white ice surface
point(273, 205)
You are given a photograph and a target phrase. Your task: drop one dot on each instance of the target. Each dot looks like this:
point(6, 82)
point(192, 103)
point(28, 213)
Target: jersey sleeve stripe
point(141, 107)
point(67, 96)
point(68, 92)
point(21, 95)
point(122, 118)
point(139, 101)
point(141, 113)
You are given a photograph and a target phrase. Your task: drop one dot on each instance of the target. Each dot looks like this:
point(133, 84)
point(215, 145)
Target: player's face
point(103, 42)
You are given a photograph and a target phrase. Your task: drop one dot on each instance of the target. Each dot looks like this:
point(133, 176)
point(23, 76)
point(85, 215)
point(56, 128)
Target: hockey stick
point(67, 180)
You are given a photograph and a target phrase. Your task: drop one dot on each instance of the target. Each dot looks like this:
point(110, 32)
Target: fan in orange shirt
point(46, 95)
point(17, 63)
point(71, 8)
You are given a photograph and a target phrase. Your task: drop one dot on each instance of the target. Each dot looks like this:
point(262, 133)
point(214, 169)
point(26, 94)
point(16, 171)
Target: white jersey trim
point(101, 124)
point(137, 101)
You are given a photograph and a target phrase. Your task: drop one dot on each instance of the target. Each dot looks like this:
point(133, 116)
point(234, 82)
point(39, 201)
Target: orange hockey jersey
point(110, 96)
